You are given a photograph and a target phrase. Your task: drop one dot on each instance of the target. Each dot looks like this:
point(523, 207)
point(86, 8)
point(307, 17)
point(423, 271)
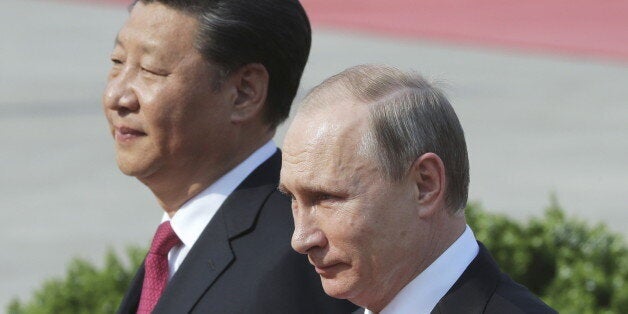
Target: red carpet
point(583, 27)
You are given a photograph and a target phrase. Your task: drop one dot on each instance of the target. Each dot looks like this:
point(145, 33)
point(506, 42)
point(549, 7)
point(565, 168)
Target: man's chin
point(134, 168)
point(338, 289)
point(129, 170)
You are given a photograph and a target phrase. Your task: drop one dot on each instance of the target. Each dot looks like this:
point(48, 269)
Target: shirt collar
point(423, 293)
point(194, 215)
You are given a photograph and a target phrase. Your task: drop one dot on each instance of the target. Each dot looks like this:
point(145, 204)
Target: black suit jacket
point(243, 262)
point(483, 288)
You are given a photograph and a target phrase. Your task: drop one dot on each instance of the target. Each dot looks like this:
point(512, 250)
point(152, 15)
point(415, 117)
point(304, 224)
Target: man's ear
point(428, 173)
point(251, 84)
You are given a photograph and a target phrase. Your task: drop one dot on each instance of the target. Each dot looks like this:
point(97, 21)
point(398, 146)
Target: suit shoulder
point(287, 283)
point(512, 297)
point(278, 207)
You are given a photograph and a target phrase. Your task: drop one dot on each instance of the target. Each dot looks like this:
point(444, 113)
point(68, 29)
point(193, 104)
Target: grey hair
point(409, 117)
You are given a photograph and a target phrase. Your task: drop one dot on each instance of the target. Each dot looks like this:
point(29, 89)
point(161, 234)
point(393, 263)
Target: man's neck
point(444, 234)
point(179, 185)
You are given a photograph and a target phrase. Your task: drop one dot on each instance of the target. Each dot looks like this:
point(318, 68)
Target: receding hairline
point(350, 87)
point(362, 84)
point(408, 116)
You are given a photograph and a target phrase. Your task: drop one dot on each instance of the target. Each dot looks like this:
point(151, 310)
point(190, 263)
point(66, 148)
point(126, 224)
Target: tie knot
point(164, 240)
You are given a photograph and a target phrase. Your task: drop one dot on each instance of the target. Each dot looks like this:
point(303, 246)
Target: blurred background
point(540, 88)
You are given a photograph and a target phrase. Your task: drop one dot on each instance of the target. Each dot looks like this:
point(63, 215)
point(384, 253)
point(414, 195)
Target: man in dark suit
point(193, 98)
point(376, 165)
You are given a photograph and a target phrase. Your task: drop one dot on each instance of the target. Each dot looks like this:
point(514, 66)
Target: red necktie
point(156, 267)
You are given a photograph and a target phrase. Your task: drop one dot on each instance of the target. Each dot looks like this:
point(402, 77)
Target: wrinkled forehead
point(325, 145)
point(331, 126)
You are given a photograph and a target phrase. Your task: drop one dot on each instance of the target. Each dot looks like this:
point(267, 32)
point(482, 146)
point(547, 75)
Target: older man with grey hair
point(376, 165)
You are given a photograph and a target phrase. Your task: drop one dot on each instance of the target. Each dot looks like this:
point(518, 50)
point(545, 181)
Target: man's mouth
point(328, 269)
point(125, 134)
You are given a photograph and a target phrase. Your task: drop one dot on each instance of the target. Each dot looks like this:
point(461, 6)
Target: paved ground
point(535, 124)
point(582, 27)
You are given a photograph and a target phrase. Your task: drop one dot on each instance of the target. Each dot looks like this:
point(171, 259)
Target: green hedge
point(573, 267)
point(85, 288)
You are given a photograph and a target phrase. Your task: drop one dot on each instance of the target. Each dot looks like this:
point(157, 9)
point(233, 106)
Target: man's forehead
point(324, 140)
point(311, 138)
point(155, 24)
point(157, 10)
point(343, 119)
point(146, 43)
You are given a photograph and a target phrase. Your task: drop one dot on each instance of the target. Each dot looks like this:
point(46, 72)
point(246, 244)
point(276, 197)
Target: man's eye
point(116, 61)
point(149, 71)
point(324, 197)
point(154, 72)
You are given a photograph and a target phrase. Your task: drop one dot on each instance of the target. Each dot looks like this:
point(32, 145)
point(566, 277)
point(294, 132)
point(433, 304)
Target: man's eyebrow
point(312, 190)
point(147, 47)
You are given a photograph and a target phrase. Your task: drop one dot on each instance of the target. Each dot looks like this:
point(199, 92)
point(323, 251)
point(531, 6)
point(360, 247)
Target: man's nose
point(307, 235)
point(120, 93)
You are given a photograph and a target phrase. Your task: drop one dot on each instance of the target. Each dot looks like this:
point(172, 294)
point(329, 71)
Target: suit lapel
point(471, 292)
point(211, 255)
point(132, 297)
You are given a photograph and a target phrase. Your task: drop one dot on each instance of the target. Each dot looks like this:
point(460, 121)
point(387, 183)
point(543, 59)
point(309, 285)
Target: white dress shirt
point(423, 293)
point(193, 216)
